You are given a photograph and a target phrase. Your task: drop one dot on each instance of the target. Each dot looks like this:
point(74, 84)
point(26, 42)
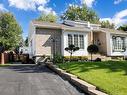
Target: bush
point(76, 58)
point(98, 60)
point(92, 49)
point(58, 58)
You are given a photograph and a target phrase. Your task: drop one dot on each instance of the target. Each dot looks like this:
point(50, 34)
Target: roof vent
point(76, 23)
point(79, 23)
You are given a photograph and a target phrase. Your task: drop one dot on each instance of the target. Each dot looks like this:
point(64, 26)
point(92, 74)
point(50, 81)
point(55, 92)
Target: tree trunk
point(91, 57)
point(70, 56)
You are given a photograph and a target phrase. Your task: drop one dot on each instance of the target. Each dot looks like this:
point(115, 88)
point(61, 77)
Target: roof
point(62, 26)
point(40, 24)
point(113, 31)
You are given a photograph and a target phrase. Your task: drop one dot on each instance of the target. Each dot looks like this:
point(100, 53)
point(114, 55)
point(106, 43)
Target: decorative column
point(91, 37)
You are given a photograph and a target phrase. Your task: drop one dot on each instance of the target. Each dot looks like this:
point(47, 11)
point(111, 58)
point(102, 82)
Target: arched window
point(118, 44)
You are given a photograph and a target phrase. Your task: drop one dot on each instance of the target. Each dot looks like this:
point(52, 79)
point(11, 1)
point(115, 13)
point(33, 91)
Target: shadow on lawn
point(110, 66)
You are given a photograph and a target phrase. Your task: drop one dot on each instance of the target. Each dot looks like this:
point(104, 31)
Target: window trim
point(73, 40)
point(120, 46)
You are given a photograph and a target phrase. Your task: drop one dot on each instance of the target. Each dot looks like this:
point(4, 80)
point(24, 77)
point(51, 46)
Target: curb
point(84, 86)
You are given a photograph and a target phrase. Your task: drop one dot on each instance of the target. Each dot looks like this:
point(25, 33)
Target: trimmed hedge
point(76, 58)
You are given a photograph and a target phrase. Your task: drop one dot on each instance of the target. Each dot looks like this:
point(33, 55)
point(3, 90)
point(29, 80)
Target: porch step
point(42, 60)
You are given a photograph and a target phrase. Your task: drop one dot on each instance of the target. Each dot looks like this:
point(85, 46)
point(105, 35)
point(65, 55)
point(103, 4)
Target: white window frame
point(118, 43)
point(79, 42)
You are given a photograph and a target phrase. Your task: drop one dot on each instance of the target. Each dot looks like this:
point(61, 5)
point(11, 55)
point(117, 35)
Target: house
point(24, 50)
point(49, 38)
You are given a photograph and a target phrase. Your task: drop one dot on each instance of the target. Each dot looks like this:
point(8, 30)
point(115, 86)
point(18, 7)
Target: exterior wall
point(100, 40)
point(89, 39)
point(44, 44)
point(111, 53)
point(31, 40)
point(81, 52)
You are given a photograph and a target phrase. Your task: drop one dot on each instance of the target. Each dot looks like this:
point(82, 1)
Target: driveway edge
point(84, 86)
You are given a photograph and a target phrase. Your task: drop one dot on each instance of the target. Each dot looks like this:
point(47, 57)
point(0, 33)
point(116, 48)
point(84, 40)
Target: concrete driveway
point(33, 80)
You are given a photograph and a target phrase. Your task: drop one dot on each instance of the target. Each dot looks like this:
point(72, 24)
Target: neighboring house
point(49, 38)
point(24, 50)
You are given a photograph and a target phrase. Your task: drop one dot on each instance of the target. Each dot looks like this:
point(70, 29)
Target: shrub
point(98, 60)
point(76, 58)
point(92, 49)
point(71, 49)
point(58, 58)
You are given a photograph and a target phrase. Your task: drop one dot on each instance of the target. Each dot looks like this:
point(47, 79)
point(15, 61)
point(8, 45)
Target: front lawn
point(110, 77)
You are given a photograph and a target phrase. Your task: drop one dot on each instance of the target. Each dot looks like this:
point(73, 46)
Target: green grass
point(4, 65)
point(110, 77)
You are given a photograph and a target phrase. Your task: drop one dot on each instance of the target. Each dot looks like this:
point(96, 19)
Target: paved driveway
point(33, 80)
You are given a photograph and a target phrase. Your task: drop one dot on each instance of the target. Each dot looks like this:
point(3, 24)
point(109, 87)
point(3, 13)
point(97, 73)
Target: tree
point(92, 49)
point(71, 49)
point(107, 24)
point(26, 42)
point(123, 28)
point(83, 13)
point(10, 31)
point(47, 18)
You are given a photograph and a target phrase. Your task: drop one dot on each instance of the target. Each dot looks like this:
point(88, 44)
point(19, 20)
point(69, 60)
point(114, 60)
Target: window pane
point(70, 40)
point(118, 44)
point(81, 38)
point(76, 40)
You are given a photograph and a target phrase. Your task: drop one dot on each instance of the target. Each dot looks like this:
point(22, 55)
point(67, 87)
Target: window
point(81, 38)
point(70, 40)
point(76, 40)
point(118, 44)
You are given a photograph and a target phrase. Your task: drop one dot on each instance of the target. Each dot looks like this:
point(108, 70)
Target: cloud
point(46, 10)
point(40, 5)
point(118, 1)
point(118, 19)
point(2, 8)
point(89, 3)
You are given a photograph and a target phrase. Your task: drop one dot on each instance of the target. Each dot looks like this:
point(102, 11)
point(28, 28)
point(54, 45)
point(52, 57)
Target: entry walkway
point(33, 80)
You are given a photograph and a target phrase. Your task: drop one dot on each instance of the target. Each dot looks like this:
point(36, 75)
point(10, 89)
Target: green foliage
point(58, 58)
point(76, 58)
point(110, 76)
point(47, 17)
point(83, 13)
point(71, 49)
point(107, 24)
point(93, 49)
point(26, 42)
point(10, 31)
point(123, 28)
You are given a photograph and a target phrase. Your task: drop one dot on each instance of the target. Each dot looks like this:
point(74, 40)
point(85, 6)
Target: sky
point(26, 10)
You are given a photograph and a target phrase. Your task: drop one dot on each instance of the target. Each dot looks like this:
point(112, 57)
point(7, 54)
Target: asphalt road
point(33, 80)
